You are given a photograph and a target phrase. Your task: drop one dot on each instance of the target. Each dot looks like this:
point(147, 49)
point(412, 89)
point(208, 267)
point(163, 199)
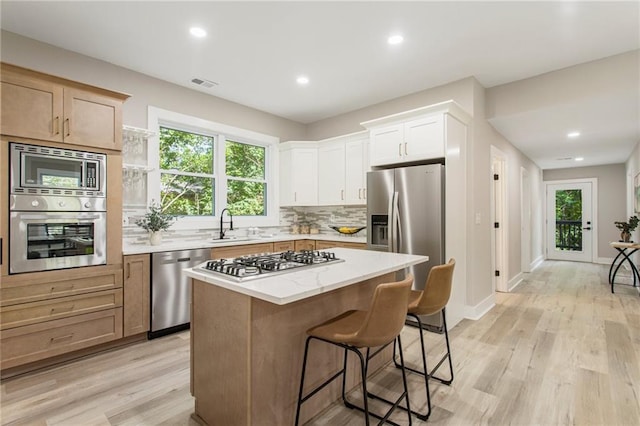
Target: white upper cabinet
point(342, 167)
point(331, 175)
point(298, 174)
point(386, 145)
point(410, 136)
point(356, 168)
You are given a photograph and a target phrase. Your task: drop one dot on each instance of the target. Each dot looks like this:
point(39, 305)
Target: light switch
point(477, 218)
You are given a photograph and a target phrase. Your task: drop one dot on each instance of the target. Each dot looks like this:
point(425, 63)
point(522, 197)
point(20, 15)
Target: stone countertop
point(210, 243)
point(358, 265)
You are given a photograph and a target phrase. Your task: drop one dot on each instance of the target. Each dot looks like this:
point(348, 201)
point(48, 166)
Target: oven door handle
point(80, 217)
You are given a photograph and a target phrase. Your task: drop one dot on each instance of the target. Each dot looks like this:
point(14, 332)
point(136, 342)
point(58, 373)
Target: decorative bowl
point(347, 230)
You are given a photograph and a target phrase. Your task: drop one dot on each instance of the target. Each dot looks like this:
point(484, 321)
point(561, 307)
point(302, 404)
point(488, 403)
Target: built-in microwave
point(41, 170)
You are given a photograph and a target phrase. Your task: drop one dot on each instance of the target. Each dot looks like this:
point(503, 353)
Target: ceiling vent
point(207, 84)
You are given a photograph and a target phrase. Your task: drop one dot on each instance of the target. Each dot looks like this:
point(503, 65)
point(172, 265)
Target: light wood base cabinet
point(30, 343)
point(137, 294)
point(46, 314)
point(283, 246)
point(324, 245)
point(305, 245)
point(243, 250)
point(257, 347)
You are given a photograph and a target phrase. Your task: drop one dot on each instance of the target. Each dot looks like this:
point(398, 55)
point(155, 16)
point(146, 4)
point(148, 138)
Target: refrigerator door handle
point(393, 223)
point(390, 223)
point(396, 223)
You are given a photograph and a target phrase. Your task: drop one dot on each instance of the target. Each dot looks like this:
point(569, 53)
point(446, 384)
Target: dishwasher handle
point(183, 259)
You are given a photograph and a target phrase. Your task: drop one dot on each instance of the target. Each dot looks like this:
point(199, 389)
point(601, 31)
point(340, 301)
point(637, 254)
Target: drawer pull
point(59, 310)
point(61, 289)
point(59, 338)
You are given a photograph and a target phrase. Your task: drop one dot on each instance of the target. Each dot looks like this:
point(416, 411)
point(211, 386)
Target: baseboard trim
point(536, 262)
point(515, 281)
point(603, 260)
point(476, 312)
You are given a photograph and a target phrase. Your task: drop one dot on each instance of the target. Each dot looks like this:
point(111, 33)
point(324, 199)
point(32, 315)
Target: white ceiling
point(255, 51)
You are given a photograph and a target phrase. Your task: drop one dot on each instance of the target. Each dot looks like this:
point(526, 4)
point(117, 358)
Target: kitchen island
point(247, 338)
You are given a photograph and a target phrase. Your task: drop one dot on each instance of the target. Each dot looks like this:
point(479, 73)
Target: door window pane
point(569, 219)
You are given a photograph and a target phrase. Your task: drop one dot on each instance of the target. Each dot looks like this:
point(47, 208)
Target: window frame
point(158, 117)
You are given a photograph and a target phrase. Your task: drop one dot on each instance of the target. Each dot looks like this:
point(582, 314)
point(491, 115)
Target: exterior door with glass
point(570, 221)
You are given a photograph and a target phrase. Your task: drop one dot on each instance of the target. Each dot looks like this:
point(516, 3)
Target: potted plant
point(627, 228)
point(154, 221)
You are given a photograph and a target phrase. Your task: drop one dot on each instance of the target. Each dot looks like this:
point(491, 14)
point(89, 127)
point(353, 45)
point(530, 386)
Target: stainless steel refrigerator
point(405, 214)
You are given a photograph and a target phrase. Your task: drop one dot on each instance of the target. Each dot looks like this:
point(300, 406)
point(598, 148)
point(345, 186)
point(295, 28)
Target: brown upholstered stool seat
point(375, 328)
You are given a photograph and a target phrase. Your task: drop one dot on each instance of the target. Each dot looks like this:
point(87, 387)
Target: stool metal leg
point(304, 368)
point(425, 371)
point(364, 365)
point(404, 395)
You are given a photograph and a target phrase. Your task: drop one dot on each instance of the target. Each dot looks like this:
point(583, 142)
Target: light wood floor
point(560, 349)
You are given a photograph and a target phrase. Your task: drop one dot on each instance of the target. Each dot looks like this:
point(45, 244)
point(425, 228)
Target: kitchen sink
point(229, 239)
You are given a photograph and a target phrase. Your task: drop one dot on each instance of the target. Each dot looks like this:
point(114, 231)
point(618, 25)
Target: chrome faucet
point(222, 231)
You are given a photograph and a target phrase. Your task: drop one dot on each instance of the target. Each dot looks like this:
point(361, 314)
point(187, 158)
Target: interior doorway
point(525, 221)
point(499, 219)
point(570, 222)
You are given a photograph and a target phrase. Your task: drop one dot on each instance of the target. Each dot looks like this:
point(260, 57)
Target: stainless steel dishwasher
point(170, 289)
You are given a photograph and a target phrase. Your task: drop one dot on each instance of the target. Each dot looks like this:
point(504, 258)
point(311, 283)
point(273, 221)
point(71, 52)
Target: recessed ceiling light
point(579, 158)
point(302, 80)
point(395, 39)
point(197, 32)
point(573, 134)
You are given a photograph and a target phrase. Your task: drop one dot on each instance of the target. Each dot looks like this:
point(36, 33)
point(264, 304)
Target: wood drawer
point(283, 246)
point(235, 251)
point(34, 342)
point(25, 288)
point(46, 310)
point(323, 245)
point(305, 245)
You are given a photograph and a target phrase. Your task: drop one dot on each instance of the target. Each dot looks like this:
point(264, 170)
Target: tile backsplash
point(323, 216)
point(319, 217)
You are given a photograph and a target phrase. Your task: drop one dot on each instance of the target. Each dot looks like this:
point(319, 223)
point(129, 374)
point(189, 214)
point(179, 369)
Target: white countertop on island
point(358, 265)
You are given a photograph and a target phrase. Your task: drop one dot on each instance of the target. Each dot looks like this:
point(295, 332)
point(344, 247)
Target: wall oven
point(57, 209)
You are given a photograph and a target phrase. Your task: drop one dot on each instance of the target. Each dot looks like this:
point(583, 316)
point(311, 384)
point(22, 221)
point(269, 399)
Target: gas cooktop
point(267, 264)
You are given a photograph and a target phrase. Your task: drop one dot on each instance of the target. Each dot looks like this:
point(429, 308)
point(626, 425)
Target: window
point(204, 167)
point(186, 173)
point(246, 179)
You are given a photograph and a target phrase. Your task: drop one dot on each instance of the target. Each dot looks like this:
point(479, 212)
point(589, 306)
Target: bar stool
point(432, 300)
point(377, 327)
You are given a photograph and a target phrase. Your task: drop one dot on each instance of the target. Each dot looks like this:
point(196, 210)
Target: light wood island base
point(246, 353)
